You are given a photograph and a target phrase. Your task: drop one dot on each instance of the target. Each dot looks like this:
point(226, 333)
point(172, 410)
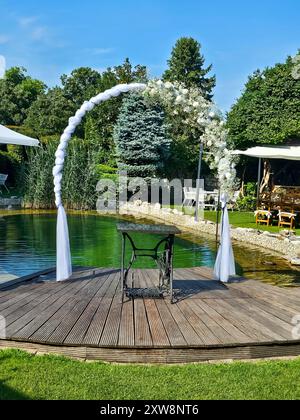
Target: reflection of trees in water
point(28, 241)
point(258, 265)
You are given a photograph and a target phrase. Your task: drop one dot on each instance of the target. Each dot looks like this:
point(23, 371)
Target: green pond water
point(27, 245)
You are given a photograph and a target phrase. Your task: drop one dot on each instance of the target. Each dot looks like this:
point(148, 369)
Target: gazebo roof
point(8, 136)
point(279, 152)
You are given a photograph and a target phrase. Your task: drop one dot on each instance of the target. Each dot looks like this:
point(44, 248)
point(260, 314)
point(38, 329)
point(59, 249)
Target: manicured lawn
point(236, 218)
point(24, 376)
point(244, 220)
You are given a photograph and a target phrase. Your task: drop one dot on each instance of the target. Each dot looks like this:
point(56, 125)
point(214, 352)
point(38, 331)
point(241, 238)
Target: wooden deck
point(84, 317)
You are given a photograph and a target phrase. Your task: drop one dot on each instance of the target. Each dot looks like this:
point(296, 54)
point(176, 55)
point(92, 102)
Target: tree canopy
point(81, 85)
point(186, 66)
point(268, 111)
point(18, 92)
point(49, 114)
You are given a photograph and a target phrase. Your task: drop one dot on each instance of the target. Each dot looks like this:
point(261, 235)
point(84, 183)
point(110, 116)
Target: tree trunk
point(266, 176)
point(243, 181)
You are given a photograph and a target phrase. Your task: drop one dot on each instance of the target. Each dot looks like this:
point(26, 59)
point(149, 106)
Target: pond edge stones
point(283, 244)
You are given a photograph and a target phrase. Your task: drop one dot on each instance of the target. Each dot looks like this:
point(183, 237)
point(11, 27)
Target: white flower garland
point(190, 103)
point(200, 114)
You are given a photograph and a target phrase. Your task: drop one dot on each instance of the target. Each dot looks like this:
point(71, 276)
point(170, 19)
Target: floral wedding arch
point(188, 104)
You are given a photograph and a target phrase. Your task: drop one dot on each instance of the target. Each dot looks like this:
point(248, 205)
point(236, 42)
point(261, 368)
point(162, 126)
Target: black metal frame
point(164, 263)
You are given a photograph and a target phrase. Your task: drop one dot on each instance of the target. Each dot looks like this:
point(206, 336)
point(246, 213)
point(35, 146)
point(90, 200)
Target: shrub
point(247, 201)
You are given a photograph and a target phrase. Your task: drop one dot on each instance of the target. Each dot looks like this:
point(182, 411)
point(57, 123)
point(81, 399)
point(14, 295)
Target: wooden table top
point(143, 228)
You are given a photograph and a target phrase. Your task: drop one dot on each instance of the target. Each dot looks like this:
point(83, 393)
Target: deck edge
point(160, 355)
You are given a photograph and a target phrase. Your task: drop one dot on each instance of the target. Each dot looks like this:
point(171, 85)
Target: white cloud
point(2, 66)
point(4, 39)
point(39, 33)
point(27, 21)
point(99, 51)
point(33, 28)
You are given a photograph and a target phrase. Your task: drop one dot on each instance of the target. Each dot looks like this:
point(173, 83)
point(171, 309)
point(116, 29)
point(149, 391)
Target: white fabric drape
point(225, 264)
point(63, 254)
point(63, 263)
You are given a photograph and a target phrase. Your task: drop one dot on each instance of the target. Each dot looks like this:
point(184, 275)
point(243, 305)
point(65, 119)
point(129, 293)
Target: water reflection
point(27, 244)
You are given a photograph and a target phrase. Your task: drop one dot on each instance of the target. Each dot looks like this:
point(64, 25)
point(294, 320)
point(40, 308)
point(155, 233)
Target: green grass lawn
point(244, 220)
point(23, 376)
point(236, 218)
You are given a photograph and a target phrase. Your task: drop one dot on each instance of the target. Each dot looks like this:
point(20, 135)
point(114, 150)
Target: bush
point(106, 172)
point(247, 201)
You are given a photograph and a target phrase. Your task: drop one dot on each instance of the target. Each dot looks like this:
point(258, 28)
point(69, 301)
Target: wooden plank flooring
point(86, 315)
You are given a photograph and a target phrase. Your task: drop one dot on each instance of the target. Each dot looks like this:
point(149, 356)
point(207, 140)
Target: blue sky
point(53, 37)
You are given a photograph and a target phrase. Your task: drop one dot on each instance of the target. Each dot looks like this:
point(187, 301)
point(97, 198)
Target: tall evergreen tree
point(186, 66)
point(101, 121)
point(141, 138)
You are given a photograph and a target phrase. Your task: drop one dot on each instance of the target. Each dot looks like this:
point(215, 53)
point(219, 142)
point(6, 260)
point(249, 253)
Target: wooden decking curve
point(85, 317)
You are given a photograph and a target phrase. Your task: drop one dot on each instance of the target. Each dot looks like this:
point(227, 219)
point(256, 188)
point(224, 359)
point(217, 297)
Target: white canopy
point(280, 152)
point(8, 136)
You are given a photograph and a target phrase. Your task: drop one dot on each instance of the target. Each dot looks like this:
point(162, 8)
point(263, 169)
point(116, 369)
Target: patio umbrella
point(267, 152)
point(225, 265)
point(8, 136)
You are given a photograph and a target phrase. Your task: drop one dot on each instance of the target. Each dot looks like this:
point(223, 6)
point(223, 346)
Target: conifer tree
point(141, 138)
point(186, 66)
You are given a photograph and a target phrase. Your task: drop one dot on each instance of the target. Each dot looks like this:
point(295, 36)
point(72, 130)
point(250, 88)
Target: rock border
point(283, 244)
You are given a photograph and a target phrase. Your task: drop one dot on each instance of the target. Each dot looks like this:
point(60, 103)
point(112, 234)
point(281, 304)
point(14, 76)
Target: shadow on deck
point(85, 317)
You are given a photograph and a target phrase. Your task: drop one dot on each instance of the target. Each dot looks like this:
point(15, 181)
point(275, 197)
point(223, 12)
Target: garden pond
point(27, 245)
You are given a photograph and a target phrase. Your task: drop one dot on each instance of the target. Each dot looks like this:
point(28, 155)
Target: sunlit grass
point(23, 376)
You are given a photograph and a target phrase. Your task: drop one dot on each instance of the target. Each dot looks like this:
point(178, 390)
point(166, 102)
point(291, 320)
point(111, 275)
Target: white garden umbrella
point(225, 265)
point(279, 152)
point(267, 152)
point(8, 136)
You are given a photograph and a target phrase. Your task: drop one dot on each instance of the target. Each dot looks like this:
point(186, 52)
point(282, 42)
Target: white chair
point(189, 196)
point(3, 179)
point(211, 200)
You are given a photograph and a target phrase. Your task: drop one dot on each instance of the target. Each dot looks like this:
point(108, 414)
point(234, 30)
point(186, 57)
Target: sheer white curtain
point(225, 264)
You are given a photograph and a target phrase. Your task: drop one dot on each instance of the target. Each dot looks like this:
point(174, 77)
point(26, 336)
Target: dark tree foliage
point(101, 121)
point(81, 85)
point(18, 92)
point(268, 112)
point(186, 66)
point(50, 113)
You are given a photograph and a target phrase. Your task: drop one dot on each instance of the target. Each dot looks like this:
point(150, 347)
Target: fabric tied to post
point(225, 265)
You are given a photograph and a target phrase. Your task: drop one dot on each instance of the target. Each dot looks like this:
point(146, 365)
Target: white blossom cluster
point(202, 115)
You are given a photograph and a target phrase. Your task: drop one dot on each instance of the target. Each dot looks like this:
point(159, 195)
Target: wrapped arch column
point(63, 253)
point(225, 264)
